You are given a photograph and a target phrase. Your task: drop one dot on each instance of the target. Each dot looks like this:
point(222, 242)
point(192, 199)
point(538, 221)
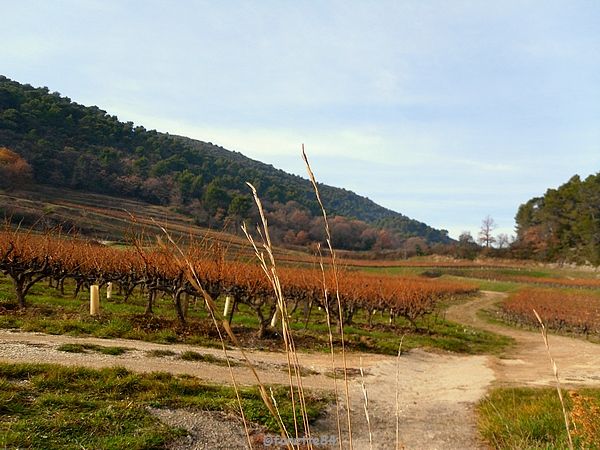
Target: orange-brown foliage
point(14, 170)
point(578, 312)
point(158, 270)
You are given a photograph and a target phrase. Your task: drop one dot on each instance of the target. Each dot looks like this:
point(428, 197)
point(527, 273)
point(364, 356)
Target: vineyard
point(29, 259)
point(562, 311)
point(523, 276)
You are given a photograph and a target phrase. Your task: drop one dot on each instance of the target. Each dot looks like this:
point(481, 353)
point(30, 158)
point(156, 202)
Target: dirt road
point(436, 392)
point(527, 363)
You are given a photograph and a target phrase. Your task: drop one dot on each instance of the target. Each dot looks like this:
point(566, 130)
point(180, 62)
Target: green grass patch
point(432, 333)
point(72, 348)
point(85, 348)
point(159, 353)
point(55, 407)
point(204, 357)
point(532, 418)
point(115, 351)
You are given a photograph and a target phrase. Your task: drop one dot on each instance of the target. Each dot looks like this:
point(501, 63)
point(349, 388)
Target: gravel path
point(437, 391)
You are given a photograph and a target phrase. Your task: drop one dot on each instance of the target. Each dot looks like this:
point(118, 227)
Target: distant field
point(492, 275)
point(115, 219)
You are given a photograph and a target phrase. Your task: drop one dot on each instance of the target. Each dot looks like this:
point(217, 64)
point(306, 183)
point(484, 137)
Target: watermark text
point(316, 441)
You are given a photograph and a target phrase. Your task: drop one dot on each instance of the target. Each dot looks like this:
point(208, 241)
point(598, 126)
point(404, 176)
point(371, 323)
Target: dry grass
point(366, 404)
point(334, 268)
point(556, 378)
point(331, 347)
point(183, 261)
point(585, 415)
point(270, 269)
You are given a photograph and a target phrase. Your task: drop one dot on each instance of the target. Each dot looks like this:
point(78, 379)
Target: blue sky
point(446, 111)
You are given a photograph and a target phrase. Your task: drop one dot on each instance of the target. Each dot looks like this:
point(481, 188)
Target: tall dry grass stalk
point(556, 378)
point(366, 403)
point(267, 262)
point(334, 269)
point(331, 347)
point(398, 444)
point(269, 267)
point(183, 261)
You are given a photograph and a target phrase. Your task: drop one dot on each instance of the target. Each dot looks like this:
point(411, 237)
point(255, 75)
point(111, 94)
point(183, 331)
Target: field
point(155, 298)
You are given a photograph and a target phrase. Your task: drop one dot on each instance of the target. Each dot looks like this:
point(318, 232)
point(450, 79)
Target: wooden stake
point(94, 300)
point(227, 308)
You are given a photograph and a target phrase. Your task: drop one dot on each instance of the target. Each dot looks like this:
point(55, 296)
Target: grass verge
point(511, 418)
point(55, 407)
point(159, 353)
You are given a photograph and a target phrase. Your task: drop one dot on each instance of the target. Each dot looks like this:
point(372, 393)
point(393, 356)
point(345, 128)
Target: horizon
point(445, 114)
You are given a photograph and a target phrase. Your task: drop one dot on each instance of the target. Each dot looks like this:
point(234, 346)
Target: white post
point(108, 291)
point(275, 318)
point(94, 300)
point(227, 308)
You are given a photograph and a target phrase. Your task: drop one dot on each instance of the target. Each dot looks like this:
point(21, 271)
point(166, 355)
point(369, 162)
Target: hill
point(68, 145)
point(563, 224)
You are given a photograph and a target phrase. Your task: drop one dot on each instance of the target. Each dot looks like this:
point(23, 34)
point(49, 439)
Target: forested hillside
point(564, 224)
point(84, 148)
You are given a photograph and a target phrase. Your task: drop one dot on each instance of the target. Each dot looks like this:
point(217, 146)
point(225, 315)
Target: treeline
point(563, 224)
point(70, 145)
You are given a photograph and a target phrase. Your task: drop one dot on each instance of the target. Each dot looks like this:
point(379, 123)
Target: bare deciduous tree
point(502, 240)
point(485, 234)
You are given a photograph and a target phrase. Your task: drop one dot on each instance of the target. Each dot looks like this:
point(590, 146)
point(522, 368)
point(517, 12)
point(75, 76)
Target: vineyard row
point(28, 259)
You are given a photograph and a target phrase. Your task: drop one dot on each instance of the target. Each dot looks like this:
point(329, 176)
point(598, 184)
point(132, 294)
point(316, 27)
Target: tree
point(466, 248)
point(216, 197)
point(14, 170)
point(502, 240)
point(240, 206)
point(485, 234)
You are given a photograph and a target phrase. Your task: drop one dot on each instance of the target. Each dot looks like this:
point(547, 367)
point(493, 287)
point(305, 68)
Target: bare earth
point(437, 392)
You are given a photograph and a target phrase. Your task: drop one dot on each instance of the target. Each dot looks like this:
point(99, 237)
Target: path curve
point(527, 362)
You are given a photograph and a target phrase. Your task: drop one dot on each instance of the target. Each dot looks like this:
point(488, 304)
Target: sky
point(445, 111)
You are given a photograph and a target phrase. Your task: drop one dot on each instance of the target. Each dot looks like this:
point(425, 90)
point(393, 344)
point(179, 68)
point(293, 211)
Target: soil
point(435, 397)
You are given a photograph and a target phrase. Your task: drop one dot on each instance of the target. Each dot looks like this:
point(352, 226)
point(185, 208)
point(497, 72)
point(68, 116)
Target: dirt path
point(527, 362)
point(435, 398)
point(437, 392)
